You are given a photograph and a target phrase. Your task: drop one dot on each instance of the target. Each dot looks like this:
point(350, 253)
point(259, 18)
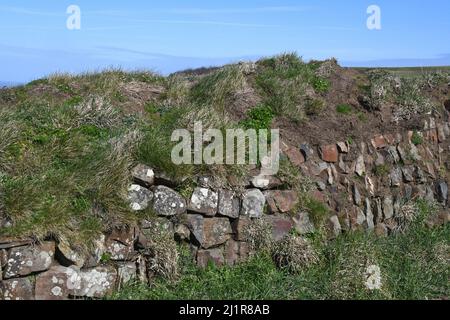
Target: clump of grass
point(381, 170)
point(321, 85)
point(162, 255)
point(258, 118)
point(294, 253)
point(318, 211)
point(218, 89)
point(59, 154)
point(344, 109)
point(314, 107)
point(283, 82)
point(417, 138)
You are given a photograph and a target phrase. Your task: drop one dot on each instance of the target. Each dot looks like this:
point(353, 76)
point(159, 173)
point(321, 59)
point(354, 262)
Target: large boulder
point(253, 202)
point(23, 261)
point(204, 201)
point(168, 202)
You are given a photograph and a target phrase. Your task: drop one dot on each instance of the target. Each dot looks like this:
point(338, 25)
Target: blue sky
point(171, 35)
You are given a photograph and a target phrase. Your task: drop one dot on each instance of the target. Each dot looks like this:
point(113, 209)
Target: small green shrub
point(321, 85)
point(314, 107)
point(416, 138)
point(344, 109)
point(381, 170)
point(259, 118)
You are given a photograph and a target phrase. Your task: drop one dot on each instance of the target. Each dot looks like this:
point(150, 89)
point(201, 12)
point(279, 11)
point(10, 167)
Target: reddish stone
point(295, 156)
point(239, 226)
point(52, 284)
point(329, 153)
point(281, 201)
point(215, 256)
point(16, 289)
point(390, 138)
point(281, 226)
point(379, 142)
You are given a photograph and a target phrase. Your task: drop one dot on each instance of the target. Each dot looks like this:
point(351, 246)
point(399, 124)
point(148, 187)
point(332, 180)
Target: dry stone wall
point(365, 184)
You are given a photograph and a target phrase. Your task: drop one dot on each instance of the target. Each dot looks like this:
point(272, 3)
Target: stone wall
point(366, 185)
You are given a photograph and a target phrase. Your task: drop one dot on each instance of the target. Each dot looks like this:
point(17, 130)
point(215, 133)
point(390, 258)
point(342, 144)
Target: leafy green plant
point(321, 85)
point(258, 118)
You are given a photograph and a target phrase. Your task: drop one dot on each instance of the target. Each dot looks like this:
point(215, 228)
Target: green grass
point(344, 109)
point(416, 138)
point(413, 266)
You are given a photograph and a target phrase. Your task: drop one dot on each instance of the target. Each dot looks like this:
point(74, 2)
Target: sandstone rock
point(16, 289)
point(379, 142)
point(307, 151)
point(360, 167)
point(61, 282)
point(357, 218)
point(419, 175)
point(120, 244)
point(68, 256)
point(229, 204)
point(334, 226)
point(8, 242)
point(329, 153)
point(139, 197)
point(157, 225)
point(253, 202)
point(92, 283)
point(388, 208)
point(343, 147)
point(53, 284)
point(356, 195)
point(168, 202)
point(239, 227)
point(295, 156)
point(321, 186)
point(393, 155)
point(99, 248)
point(441, 133)
point(342, 165)
point(381, 230)
point(126, 272)
point(281, 226)
point(23, 261)
point(231, 252)
point(369, 214)
point(408, 174)
point(209, 232)
point(265, 182)
point(442, 192)
point(182, 232)
point(317, 169)
point(370, 185)
point(396, 177)
point(303, 224)
point(204, 201)
point(214, 256)
point(379, 159)
point(281, 201)
point(143, 175)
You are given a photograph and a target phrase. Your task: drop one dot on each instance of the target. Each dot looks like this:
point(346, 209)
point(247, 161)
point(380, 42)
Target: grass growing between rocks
point(412, 265)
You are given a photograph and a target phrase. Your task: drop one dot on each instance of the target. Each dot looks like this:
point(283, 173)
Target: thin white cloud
point(203, 11)
point(25, 11)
